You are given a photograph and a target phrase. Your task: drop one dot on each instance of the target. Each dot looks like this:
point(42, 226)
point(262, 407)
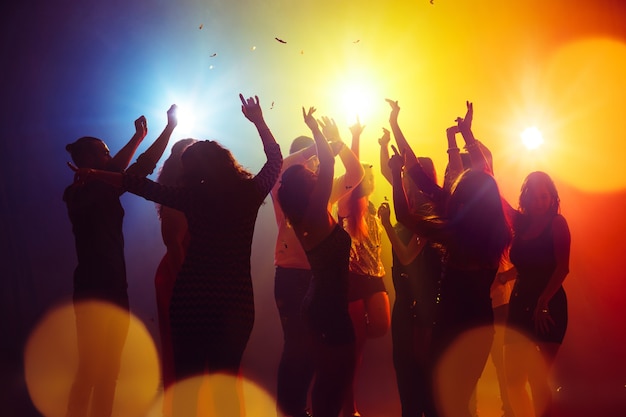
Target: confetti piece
point(253, 48)
point(432, 1)
point(272, 106)
point(210, 67)
point(280, 40)
point(302, 52)
point(212, 55)
point(357, 41)
point(201, 26)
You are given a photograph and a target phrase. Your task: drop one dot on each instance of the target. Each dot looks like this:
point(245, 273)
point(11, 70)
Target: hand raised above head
point(385, 138)
point(357, 128)
point(309, 119)
point(395, 108)
point(329, 128)
point(465, 123)
point(396, 162)
point(251, 108)
point(141, 126)
point(172, 116)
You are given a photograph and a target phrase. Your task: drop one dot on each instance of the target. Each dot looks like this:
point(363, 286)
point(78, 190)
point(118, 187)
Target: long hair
point(358, 207)
point(171, 172)
point(481, 232)
point(534, 179)
point(208, 162)
point(531, 181)
point(294, 193)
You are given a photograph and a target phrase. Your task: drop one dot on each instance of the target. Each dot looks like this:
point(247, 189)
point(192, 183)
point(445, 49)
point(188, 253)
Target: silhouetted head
point(418, 201)
point(294, 193)
point(539, 195)
point(477, 217)
point(209, 162)
point(303, 142)
point(299, 143)
point(89, 152)
point(172, 169)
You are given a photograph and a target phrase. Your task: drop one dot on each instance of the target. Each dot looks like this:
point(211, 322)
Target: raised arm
point(268, 175)
point(356, 130)
point(318, 202)
point(123, 157)
point(479, 161)
point(403, 144)
point(146, 162)
point(354, 171)
point(383, 141)
point(455, 163)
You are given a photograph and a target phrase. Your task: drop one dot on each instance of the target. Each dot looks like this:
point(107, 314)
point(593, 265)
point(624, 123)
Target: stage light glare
point(532, 137)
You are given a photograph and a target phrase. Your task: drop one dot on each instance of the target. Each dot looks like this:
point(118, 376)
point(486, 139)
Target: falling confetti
point(253, 48)
point(432, 1)
point(212, 55)
point(357, 41)
point(201, 26)
point(302, 52)
point(210, 67)
point(280, 40)
point(272, 106)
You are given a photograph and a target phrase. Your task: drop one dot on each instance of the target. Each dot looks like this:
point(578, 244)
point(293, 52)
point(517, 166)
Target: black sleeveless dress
point(535, 262)
point(325, 305)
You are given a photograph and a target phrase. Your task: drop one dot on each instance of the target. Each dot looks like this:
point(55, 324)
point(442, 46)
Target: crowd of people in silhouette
point(473, 276)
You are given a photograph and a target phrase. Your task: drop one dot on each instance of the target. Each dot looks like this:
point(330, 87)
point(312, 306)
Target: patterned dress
point(212, 306)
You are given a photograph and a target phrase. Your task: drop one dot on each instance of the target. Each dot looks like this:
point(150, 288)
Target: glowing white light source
point(358, 100)
point(532, 137)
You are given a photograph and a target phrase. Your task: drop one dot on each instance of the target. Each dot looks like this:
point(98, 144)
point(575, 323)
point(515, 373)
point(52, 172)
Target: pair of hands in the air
point(328, 125)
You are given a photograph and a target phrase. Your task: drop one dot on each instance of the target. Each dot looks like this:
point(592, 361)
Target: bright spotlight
point(357, 101)
point(186, 120)
point(532, 137)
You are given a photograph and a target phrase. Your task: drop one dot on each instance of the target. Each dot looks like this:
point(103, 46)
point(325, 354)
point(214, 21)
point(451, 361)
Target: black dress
point(535, 262)
point(325, 305)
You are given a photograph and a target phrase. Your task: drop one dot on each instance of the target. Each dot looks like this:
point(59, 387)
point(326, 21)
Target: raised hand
point(310, 121)
point(172, 117)
point(251, 108)
point(357, 128)
point(395, 109)
point(385, 138)
point(141, 127)
point(396, 162)
point(329, 129)
point(465, 123)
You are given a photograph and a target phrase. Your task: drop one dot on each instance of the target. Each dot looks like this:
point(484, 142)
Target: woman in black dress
point(538, 307)
point(304, 197)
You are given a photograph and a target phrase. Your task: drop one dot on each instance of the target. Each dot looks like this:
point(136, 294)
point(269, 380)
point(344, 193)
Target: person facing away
point(304, 197)
point(176, 240)
point(416, 275)
point(369, 301)
point(293, 274)
point(474, 232)
point(97, 215)
point(212, 305)
point(537, 320)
